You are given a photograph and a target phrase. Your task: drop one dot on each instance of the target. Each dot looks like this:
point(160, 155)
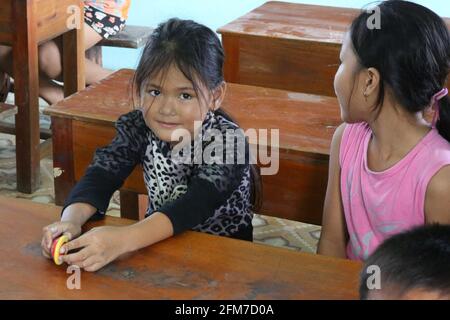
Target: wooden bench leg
point(73, 61)
point(25, 51)
point(63, 166)
point(74, 81)
point(129, 205)
point(143, 206)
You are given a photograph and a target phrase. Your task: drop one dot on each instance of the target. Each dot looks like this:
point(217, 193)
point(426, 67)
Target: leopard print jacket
point(212, 197)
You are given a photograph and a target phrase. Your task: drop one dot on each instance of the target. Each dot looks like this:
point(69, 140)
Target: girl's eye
point(185, 96)
point(154, 93)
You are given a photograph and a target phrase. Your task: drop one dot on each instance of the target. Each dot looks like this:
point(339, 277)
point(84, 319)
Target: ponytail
point(443, 125)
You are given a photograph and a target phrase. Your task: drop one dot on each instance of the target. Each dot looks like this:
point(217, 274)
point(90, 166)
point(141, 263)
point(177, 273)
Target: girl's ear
point(219, 95)
point(372, 82)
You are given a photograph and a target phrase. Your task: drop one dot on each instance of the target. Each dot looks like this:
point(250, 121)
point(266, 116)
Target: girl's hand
point(51, 232)
point(98, 247)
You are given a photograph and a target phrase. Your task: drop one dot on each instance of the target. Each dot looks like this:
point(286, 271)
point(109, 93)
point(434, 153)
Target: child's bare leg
point(50, 91)
point(6, 60)
point(4, 88)
point(50, 59)
point(50, 65)
point(94, 72)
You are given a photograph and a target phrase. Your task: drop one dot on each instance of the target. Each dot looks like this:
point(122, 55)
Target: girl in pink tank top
point(389, 167)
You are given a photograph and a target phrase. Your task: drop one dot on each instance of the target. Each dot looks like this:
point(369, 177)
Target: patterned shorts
point(105, 24)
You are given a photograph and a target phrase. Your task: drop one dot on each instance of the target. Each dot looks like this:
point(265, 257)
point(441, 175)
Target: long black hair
point(411, 51)
point(198, 53)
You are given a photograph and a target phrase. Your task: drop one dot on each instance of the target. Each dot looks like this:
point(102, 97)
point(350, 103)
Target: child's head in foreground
point(414, 265)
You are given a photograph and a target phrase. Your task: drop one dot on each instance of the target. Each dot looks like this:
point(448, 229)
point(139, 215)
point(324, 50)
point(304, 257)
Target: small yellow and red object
point(56, 247)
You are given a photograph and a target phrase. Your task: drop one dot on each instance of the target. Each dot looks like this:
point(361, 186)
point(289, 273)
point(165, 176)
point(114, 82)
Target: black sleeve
point(112, 164)
point(209, 188)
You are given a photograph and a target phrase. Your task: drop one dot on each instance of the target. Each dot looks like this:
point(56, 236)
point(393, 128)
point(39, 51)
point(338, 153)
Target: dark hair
point(411, 52)
point(193, 48)
point(419, 258)
point(198, 53)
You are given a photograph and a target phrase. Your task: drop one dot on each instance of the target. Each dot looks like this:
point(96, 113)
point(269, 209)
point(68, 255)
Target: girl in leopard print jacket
point(197, 177)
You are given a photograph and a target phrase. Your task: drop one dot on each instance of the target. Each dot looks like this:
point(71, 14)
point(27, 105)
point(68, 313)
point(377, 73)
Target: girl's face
point(170, 103)
point(350, 84)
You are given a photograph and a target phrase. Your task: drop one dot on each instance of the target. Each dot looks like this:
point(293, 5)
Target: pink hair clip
point(438, 96)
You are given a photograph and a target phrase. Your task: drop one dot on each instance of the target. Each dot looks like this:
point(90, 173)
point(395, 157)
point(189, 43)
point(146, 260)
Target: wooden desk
point(189, 266)
point(23, 25)
point(287, 46)
point(85, 122)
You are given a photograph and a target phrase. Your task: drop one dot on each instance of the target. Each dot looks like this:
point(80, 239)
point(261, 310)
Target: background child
point(103, 18)
point(389, 170)
point(179, 80)
point(413, 265)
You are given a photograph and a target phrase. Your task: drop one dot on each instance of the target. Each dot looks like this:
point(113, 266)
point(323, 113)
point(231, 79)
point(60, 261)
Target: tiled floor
point(267, 230)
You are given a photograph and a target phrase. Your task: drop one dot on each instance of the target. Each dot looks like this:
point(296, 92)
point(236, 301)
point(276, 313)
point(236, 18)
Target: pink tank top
point(379, 204)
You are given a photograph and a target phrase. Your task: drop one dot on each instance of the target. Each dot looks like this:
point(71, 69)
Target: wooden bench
point(176, 268)
point(23, 25)
point(131, 37)
point(85, 122)
point(288, 46)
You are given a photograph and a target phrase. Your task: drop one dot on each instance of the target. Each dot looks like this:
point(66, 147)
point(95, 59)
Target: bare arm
point(153, 229)
point(78, 213)
point(437, 198)
point(102, 245)
point(334, 236)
